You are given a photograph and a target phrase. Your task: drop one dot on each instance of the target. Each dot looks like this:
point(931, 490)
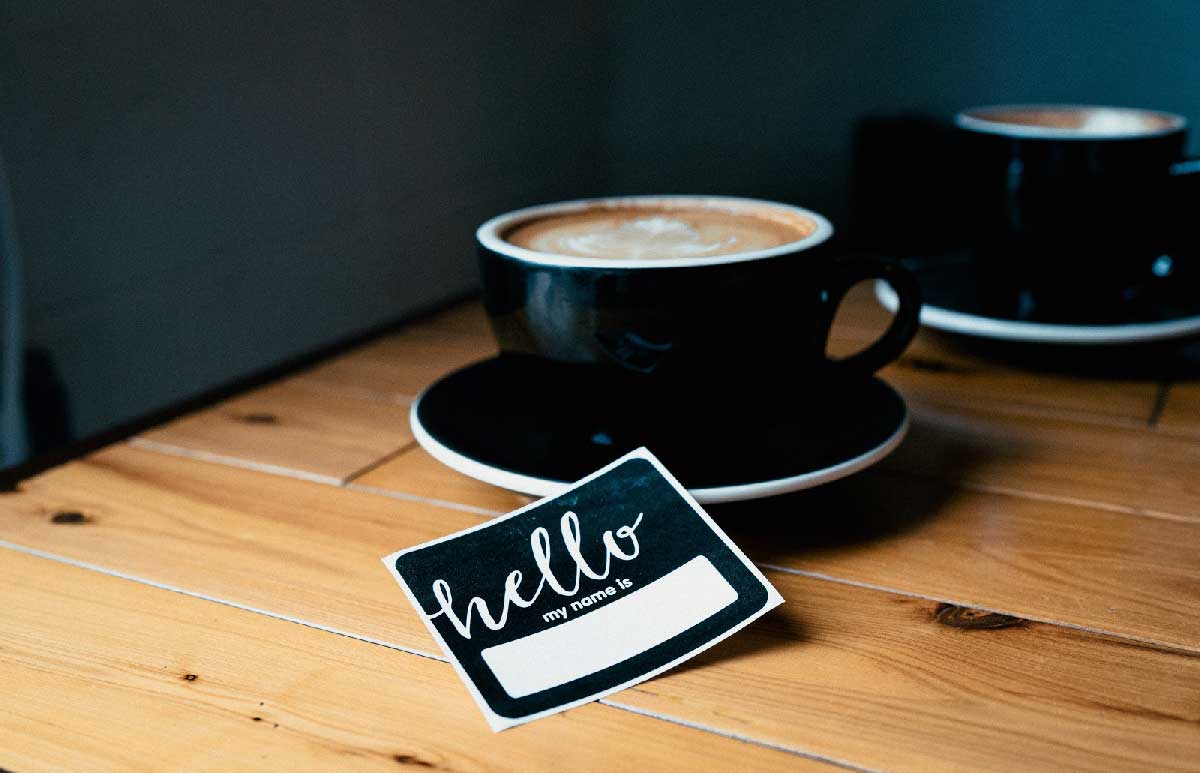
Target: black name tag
point(580, 595)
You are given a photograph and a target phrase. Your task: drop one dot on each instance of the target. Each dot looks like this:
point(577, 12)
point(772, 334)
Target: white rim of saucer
point(541, 487)
point(488, 234)
point(1042, 332)
point(974, 119)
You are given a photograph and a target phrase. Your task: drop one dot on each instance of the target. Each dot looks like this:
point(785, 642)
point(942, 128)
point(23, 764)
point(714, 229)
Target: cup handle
point(1187, 168)
point(903, 326)
point(1183, 202)
point(1185, 178)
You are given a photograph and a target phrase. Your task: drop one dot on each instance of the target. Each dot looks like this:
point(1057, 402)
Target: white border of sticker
point(498, 722)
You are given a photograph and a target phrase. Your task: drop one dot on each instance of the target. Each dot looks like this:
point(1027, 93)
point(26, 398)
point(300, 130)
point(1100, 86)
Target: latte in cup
point(685, 228)
point(1068, 120)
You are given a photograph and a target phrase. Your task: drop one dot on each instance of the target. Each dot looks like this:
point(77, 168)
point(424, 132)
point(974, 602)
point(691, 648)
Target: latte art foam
point(646, 237)
point(649, 233)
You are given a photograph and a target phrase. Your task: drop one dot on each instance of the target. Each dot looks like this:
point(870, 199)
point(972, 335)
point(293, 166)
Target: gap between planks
point(389, 456)
point(87, 565)
point(188, 453)
point(1160, 404)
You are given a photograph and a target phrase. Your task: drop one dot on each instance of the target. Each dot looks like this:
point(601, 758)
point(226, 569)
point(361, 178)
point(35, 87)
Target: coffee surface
point(1095, 120)
point(658, 232)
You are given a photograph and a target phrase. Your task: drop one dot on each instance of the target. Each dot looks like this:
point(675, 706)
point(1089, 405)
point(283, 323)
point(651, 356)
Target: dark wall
point(206, 189)
point(766, 98)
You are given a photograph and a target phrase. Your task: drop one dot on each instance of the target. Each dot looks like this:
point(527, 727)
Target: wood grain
point(1181, 413)
point(466, 320)
point(288, 425)
point(306, 550)
point(1112, 571)
point(933, 371)
point(1094, 567)
point(102, 673)
point(848, 673)
point(981, 508)
point(399, 366)
point(944, 369)
point(895, 683)
point(1133, 469)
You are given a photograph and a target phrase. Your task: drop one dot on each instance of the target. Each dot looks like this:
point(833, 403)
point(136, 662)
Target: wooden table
point(1018, 587)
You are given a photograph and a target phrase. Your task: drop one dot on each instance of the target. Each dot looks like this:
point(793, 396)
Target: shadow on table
point(861, 509)
point(778, 629)
point(877, 504)
point(848, 514)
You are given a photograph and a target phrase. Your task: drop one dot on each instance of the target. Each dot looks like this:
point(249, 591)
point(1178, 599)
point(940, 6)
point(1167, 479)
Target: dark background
point(202, 191)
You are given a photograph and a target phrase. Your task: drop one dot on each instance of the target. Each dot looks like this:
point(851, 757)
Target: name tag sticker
point(580, 595)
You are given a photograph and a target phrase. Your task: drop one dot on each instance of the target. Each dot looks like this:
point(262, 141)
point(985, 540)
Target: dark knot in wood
point(69, 516)
point(259, 418)
point(974, 619)
point(410, 760)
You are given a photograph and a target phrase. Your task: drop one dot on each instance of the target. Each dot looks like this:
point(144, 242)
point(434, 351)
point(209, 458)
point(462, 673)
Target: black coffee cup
point(670, 333)
point(1077, 214)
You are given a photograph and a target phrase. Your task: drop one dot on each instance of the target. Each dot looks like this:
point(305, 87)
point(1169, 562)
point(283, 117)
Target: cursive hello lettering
point(539, 545)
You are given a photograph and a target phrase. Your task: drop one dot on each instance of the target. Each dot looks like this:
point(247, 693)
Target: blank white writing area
point(617, 631)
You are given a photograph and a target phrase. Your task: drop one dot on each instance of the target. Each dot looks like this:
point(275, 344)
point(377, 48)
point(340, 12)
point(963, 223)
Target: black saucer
point(500, 423)
point(951, 303)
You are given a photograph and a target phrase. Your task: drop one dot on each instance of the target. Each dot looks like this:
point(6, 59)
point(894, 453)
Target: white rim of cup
point(973, 119)
point(489, 233)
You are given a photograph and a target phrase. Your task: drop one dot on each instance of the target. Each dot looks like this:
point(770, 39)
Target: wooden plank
point(847, 673)
point(400, 365)
point(960, 370)
point(1113, 571)
point(306, 550)
point(1127, 468)
point(895, 683)
point(290, 426)
point(1181, 413)
point(934, 369)
point(395, 367)
point(942, 368)
point(102, 673)
point(466, 320)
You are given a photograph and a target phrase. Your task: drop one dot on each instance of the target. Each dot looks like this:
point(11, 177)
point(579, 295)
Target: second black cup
point(1077, 214)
